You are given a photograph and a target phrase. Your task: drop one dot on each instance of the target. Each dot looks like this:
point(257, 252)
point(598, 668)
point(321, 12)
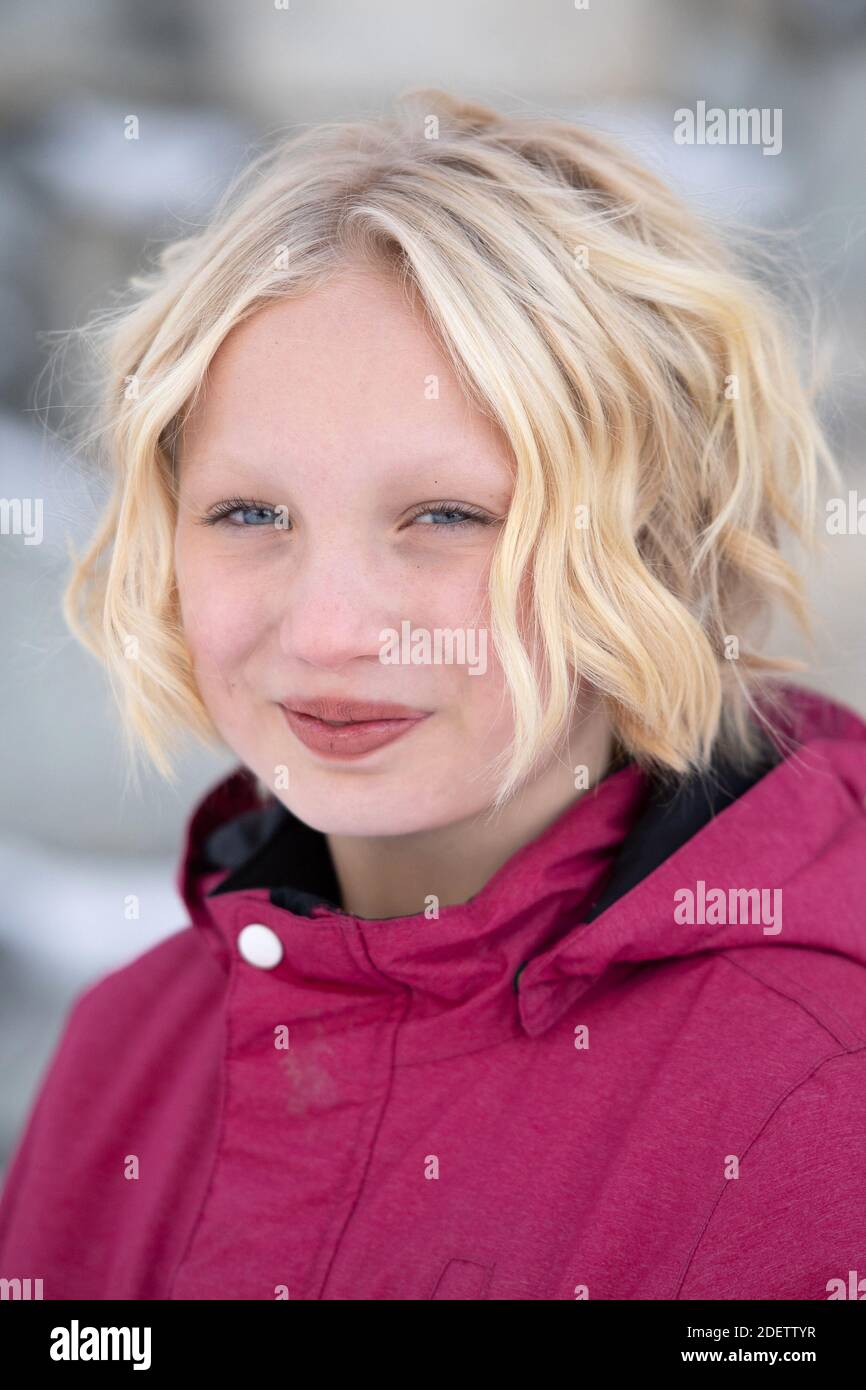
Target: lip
point(362, 735)
point(344, 708)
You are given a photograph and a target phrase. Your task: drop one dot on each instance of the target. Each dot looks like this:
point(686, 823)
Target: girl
point(525, 956)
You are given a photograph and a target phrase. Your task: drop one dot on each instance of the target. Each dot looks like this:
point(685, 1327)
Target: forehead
point(350, 363)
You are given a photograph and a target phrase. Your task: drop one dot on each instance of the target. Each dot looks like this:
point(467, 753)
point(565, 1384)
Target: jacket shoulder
point(789, 1220)
point(131, 1046)
point(176, 975)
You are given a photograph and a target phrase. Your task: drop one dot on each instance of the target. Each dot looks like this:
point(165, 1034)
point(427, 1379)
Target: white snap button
point(260, 946)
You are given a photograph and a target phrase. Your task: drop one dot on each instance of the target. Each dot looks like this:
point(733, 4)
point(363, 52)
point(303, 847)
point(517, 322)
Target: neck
point(394, 875)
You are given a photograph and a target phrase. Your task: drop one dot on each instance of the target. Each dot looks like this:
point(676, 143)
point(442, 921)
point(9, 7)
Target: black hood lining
point(670, 819)
point(269, 847)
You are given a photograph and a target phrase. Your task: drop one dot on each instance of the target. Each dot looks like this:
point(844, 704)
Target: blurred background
point(79, 204)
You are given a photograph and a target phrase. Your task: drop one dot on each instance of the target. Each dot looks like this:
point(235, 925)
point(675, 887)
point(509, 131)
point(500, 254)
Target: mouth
point(351, 738)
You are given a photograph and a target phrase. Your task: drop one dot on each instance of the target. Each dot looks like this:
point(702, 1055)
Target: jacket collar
point(593, 891)
point(245, 861)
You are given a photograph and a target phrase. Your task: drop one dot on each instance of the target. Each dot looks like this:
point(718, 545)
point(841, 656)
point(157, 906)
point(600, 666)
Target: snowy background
point(207, 79)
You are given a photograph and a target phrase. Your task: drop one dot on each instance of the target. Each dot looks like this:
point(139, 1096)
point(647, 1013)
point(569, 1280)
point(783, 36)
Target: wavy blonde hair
point(661, 433)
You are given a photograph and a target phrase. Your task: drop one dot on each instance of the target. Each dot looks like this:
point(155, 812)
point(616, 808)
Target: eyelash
point(225, 509)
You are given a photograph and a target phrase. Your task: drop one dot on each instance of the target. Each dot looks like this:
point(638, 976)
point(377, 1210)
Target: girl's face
point(331, 429)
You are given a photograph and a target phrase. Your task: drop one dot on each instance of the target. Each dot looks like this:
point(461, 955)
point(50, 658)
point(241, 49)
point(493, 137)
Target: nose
point(337, 601)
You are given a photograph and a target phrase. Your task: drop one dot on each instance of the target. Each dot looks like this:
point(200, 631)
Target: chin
point(399, 813)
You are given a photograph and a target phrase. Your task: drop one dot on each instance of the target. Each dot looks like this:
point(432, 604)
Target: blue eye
point(441, 511)
point(446, 515)
point(263, 519)
point(247, 508)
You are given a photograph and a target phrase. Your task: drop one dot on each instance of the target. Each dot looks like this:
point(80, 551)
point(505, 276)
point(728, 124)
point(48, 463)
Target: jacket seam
point(792, 1090)
point(374, 1138)
point(438, 1280)
point(486, 1269)
point(516, 1036)
point(783, 994)
point(220, 1133)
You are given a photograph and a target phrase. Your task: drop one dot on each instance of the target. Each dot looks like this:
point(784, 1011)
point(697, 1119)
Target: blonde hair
point(660, 430)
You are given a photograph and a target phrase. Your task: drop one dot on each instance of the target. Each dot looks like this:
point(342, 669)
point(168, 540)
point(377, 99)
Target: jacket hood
point(630, 874)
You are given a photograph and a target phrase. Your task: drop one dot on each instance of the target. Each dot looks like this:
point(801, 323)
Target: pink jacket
point(614, 1073)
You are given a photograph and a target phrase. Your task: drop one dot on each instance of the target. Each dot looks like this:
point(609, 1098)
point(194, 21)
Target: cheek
point(485, 698)
point(478, 689)
point(220, 617)
point(453, 595)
